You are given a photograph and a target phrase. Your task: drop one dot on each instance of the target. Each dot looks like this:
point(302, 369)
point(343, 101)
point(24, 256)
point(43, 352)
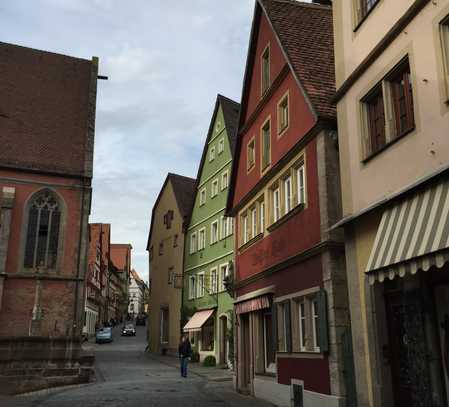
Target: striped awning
point(413, 235)
point(252, 305)
point(197, 321)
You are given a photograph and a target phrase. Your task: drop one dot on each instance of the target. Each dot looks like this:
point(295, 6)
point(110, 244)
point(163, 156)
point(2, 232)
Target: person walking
point(184, 351)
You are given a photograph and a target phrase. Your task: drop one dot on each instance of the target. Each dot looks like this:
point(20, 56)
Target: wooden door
point(408, 350)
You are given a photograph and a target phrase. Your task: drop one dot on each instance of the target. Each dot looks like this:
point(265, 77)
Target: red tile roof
point(44, 110)
point(120, 253)
point(305, 32)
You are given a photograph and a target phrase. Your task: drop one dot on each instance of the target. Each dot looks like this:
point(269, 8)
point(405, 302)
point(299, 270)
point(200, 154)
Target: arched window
point(42, 237)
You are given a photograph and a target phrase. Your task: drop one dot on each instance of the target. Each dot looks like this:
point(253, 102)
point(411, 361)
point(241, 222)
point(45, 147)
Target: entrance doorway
point(223, 340)
point(245, 361)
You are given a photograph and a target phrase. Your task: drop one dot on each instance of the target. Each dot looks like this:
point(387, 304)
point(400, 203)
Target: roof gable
point(304, 32)
point(184, 191)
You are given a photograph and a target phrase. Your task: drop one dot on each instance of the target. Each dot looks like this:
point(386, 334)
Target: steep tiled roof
point(305, 32)
point(184, 188)
point(231, 112)
point(44, 110)
point(136, 276)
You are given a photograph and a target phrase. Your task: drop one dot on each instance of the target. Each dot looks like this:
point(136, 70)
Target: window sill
point(360, 23)
point(282, 131)
point(286, 217)
point(250, 242)
point(389, 144)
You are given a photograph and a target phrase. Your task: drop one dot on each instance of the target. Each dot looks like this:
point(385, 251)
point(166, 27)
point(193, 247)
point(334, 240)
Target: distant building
point(97, 278)
point(165, 247)
point(209, 248)
point(136, 294)
point(121, 260)
point(47, 123)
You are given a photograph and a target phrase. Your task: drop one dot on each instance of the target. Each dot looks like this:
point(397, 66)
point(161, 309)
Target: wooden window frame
point(266, 167)
point(282, 128)
point(384, 93)
point(262, 217)
point(361, 11)
point(288, 199)
point(402, 73)
point(444, 41)
point(301, 167)
point(265, 86)
point(276, 191)
point(244, 228)
point(254, 222)
point(222, 275)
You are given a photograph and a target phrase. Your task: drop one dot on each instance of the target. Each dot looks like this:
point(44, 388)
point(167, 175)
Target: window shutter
point(323, 335)
point(274, 331)
point(288, 326)
point(54, 239)
point(31, 238)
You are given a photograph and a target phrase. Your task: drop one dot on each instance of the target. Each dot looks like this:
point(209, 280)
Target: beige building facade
point(166, 249)
point(392, 74)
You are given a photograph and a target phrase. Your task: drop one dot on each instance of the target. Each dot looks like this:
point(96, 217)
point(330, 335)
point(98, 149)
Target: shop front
point(201, 331)
point(409, 271)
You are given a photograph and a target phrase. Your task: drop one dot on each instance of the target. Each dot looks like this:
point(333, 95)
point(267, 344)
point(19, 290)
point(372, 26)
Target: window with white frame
point(245, 229)
point(214, 232)
point(213, 280)
point(265, 137)
point(192, 287)
point(316, 348)
point(203, 194)
point(230, 226)
point(251, 154)
point(193, 243)
point(276, 204)
point(262, 216)
point(224, 180)
point(254, 222)
point(214, 189)
point(224, 227)
point(220, 145)
point(288, 194)
point(302, 325)
point(200, 285)
point(301, 184)
point(201, 239)
point(223, 273)
point(211, 153)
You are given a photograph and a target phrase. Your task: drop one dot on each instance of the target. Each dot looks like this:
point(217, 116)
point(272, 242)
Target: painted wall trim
point(210, 261)
point(214, 174)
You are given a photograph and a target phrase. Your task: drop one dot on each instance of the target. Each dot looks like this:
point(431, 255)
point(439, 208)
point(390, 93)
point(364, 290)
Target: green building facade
point(209, 245)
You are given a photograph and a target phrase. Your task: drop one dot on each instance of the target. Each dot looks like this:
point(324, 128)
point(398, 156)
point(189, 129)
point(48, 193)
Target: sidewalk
point(212, 374)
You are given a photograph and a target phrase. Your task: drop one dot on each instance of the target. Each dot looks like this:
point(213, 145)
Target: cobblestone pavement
point(127, 377)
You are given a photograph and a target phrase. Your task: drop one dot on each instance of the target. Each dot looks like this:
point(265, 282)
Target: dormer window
point(265, 69)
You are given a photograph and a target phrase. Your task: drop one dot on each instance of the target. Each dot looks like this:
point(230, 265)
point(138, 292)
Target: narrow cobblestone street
point(126, 376)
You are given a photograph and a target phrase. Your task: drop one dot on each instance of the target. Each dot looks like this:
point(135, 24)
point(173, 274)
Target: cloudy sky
point(166, 61)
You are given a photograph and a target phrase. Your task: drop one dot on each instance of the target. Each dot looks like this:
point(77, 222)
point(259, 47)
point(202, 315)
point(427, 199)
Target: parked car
point(129, 330)
point(140, 320)
point(103, 335)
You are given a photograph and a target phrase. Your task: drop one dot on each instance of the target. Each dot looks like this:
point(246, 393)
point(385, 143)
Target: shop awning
point(254, 304)
point(197, 321)
point(413, 235)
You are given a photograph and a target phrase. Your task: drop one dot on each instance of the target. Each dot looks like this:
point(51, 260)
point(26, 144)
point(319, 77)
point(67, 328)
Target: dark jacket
point(185, 349)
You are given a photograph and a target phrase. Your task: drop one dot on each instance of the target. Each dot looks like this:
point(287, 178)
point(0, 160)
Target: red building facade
point(47, 120)
point(289, 278)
